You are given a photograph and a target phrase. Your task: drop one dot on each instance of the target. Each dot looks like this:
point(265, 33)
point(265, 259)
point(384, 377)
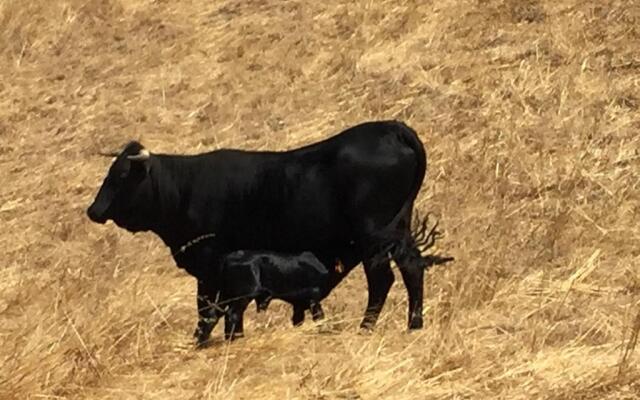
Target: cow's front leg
point(233, 319)
point(208, 312)
point(379, 281)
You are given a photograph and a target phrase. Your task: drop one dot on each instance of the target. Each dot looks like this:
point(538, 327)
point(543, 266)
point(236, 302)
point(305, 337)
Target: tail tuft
point(413, 245)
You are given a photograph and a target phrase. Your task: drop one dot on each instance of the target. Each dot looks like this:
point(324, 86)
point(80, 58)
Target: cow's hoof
point(203, 343)
point(318, 315)
point(202, 340)
point(416, 323)
point(234, 336)
point(367, 325)
point(197, 333)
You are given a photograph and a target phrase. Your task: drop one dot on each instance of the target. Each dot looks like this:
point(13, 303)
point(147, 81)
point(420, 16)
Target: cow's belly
point(290, 234)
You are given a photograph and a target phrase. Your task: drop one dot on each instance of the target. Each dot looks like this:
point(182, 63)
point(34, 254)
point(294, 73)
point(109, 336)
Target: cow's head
point(126, 195)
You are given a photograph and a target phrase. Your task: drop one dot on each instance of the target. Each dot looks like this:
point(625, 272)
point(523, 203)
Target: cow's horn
point(143, 155)
point(109, 153)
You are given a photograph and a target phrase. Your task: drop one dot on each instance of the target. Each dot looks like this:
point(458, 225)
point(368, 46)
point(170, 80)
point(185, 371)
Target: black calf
point(301, 280)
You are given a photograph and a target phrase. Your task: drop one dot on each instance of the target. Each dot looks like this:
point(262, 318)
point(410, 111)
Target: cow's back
point(318, 197)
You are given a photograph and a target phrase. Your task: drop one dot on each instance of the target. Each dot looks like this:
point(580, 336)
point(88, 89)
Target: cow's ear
point(143, 158)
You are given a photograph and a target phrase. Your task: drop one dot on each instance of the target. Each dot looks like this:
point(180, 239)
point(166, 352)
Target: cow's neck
point(173, 235)
point(172, 224)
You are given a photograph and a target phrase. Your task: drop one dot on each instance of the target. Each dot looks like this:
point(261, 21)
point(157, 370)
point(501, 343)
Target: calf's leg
point(316, 311)
point(233, 320)
point(262, 301)
point(298, 313)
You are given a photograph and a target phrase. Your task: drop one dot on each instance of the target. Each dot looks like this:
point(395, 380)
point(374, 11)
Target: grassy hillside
point(529, 111)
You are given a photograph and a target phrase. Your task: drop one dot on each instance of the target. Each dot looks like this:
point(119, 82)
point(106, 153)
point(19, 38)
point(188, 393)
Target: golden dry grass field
point(529, 111)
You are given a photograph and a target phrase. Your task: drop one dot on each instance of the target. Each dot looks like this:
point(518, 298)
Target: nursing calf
point(301, 280)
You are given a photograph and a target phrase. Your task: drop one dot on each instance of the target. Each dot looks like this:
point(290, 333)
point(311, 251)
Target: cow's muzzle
point(96, 215)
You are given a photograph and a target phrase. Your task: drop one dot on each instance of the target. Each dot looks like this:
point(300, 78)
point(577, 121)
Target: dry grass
point(528, 109)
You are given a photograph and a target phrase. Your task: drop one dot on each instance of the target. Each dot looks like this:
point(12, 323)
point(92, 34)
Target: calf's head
point(126, 195)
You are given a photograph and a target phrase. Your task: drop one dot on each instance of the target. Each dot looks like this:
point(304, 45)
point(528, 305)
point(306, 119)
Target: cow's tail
point(423, 239)
point(412, 246)
point(409, 137)
point(399, 240)
point(387, 239)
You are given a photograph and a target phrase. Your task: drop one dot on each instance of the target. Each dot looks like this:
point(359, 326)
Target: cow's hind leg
point(233, 320)
point(379, 281)
point(413, 275)
point(208, 311)
point(411, 266)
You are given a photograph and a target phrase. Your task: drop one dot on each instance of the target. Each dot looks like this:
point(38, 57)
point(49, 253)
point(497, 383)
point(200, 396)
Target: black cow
point(300, 279)
point(348, 197)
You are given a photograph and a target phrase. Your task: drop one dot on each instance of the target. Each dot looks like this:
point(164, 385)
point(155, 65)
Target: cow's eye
point(123, 175)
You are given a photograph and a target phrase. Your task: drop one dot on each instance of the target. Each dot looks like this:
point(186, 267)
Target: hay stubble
point(528, 110)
